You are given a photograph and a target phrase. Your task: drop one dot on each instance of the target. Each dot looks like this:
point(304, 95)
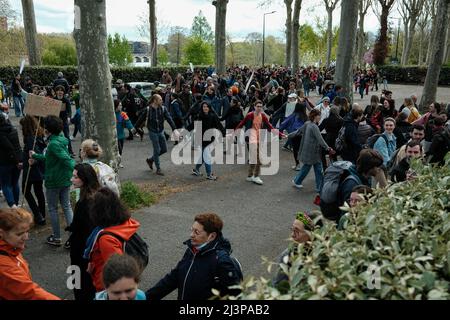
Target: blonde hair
point(10, 218)
point(90, 149)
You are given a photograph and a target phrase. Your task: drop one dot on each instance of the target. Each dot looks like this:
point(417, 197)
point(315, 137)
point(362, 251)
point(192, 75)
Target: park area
point(126, 87)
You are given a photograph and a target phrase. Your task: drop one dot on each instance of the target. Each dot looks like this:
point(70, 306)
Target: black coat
point(210, 121)
point(353, 147)
point(38, 168)
point(232, 117)
point(10, 150)
point(332, 125)
point(198, 273)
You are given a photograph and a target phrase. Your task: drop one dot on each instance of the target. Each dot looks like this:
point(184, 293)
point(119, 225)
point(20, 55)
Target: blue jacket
point(122, 122)
point(291, 124)
point(215, 102)
point(386, 149)
point(198, 272)
point(103, 295)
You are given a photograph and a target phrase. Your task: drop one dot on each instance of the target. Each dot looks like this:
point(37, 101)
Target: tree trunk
point(406, 39)
point(153, 33)
point(432, 33)
point(347, 39)
point(98, 118)
point(288, 32)
point(221, 17)
point(329, 36)
point(421, 40)
point(361, 37)
point(447, 47)
point(437, 55)
point(29, 23)
point(295, 29)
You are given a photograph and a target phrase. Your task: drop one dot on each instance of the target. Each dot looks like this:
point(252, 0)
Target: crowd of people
point(376, 144)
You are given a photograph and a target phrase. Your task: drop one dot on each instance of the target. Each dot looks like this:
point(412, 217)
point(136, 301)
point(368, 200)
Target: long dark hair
point(300, 110)
point(107, 210)
point(29, 125)
point(87, 174)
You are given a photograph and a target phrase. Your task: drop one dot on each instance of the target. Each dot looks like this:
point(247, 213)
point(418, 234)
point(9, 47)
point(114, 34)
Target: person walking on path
point(254, 122)
point(31, 130)
point(157, 113)
point(311, 151)
point(58, 172)
point(84, 178)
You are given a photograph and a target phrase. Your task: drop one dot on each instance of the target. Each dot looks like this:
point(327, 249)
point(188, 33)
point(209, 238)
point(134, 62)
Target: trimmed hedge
point(412, 75)
point(44, 75)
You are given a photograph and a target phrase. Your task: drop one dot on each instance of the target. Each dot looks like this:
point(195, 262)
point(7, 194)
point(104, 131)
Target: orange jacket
point(15, 277)
point(106, 246)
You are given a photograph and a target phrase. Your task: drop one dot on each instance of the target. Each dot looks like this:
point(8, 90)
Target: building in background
point(141, 53)
point(3, 24)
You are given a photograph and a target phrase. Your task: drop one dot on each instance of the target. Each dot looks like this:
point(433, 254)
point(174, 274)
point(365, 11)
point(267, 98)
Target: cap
point(60, 74)
point(326, 99)
point(119, 81)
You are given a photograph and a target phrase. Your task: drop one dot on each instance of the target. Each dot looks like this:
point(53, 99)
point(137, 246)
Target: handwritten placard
point(42, 106)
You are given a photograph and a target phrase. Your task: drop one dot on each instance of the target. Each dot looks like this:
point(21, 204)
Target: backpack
point(392, 163)
point(107, 177)
point(341, 145)
point(334, 177)
point(234, 260)
point(373, 139)
point(135, 247)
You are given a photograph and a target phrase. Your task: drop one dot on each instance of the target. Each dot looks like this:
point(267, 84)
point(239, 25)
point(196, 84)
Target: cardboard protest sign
point(42, 106)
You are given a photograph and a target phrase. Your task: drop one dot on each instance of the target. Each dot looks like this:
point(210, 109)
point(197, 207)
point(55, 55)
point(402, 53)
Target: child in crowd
point(121, 277)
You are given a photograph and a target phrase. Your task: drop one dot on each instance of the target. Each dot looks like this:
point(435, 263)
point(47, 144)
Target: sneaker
point(250, 179)
point(317, 200)
point(150, 163)
point(211, 177)
point(195, 172)
point(54, 241)
point(159, 172)
point(67, 245)
point(258, 181)
point(298, 186)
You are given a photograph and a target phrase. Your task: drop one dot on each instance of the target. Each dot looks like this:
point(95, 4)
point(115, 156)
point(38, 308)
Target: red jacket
point(248, 122)
point(106, 246)
point(15, 277)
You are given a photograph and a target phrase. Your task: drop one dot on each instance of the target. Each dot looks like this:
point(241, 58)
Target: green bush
point(412, 75)
point(44, 75)
point(134, 197)
point(403, 232)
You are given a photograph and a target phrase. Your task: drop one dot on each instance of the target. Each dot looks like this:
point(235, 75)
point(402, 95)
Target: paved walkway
point(257, 218)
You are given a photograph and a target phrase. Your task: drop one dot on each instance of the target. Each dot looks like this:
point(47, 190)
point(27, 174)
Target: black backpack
point(373, 139)
point(135, 247)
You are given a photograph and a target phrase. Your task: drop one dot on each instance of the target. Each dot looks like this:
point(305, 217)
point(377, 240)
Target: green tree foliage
point(202, 29)
point(175, 44)
point(394, 247)
point(59, 51)
point(198, 51)
point(119, 51)
point(163, 56)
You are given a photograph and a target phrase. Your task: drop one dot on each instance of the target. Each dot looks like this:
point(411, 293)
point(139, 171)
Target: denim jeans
point(66, 132)
point(304, 172)
point(19, 105)
point(159, 146)
point(206, 159)
point(63, 195)
point(9, 179)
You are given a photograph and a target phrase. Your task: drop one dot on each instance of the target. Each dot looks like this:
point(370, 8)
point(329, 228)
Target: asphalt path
point(256, 218)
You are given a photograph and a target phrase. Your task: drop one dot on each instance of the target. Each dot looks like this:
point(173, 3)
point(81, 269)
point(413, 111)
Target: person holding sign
point(58, 173)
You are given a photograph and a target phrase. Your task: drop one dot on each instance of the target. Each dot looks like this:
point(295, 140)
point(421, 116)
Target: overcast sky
point(243, 16)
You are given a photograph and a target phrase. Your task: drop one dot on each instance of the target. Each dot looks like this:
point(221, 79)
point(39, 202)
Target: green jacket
point(58, 163)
